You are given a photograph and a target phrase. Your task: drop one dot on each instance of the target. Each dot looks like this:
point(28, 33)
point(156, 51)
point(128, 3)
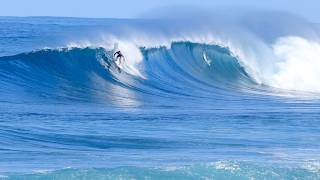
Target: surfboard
point(206, 59)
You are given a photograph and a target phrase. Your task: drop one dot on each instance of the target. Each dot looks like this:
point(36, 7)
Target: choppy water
point(187, 103)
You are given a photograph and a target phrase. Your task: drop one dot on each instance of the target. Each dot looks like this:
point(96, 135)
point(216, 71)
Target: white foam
point(130, 50)
point(228, 166)
point(133, 58)
point(298, 66)
point(312, 167)
point(43, 171)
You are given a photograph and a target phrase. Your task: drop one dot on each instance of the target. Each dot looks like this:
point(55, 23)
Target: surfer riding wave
point(118, 57)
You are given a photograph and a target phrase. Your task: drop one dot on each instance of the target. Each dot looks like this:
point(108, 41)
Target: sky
point(134, 8)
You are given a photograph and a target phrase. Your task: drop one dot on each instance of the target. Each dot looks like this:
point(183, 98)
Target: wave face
point(91, 74)
point(57, 73)
point(193, 99)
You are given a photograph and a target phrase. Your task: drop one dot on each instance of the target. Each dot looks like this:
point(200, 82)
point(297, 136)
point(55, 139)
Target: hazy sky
point(133, 8)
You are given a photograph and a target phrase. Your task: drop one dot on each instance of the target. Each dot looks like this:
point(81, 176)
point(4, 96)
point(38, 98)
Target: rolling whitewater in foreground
point(236, 98)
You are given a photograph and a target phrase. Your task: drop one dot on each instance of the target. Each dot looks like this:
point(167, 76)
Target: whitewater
point(195, 98)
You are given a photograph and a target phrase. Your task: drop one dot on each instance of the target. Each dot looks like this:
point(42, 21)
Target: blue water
point(187, 110)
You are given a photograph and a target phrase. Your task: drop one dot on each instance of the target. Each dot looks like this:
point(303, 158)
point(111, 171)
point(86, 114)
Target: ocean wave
point(184, 68)
point(189, 66)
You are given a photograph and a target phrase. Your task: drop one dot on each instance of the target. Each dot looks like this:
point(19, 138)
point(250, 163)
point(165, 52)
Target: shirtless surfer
point(118, 58)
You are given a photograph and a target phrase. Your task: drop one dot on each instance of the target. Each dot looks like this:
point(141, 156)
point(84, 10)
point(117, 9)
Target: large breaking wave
point(183, 69)
point(170, 59)
point(186, 69)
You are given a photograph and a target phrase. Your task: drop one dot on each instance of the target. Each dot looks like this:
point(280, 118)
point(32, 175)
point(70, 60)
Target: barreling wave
point(186, 69)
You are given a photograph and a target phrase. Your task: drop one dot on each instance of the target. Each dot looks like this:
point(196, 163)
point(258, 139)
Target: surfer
point(118, 58)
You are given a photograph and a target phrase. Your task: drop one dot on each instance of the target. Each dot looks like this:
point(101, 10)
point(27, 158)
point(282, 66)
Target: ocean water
point(191, 100)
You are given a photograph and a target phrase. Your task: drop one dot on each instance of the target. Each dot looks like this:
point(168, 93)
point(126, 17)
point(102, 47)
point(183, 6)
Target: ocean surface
point(238, 99)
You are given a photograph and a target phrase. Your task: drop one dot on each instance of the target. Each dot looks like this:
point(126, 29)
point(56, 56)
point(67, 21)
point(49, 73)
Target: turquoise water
point(182, 106)
point(217, 170)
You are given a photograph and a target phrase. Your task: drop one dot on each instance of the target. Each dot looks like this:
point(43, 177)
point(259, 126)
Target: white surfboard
point(206, 59)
